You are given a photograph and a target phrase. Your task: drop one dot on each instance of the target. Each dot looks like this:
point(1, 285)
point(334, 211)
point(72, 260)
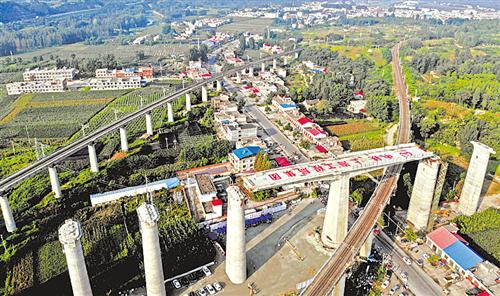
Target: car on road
point(210, 289)
point(394, 289)
point(206, 271)
point(217, 286)
point(407, 260)
point(385, 284)
point(176, 284)
point(202, 292)
point(420, 262)
point(404, 276)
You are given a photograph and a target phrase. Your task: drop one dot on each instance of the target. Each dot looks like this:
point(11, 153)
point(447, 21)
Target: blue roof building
point(463, 256)
point(245, 152)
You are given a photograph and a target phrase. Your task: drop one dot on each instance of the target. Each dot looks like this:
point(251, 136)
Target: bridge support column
point(123, 139)
point(339, 287)
point(8, 218)
point(275, 63)
point(337, 211)
point(153, 268)
point(188, 102)
point(469, 199)
point(285, 61)
point(296, 56)
point(366, 248)
point(94, 164)
point(69, 236)
point(170, 112)
point(238, 77)
point(204, 94)
point(149, 124)
point(219, 85)
point(54, 182)
point(250, 71)
point(236, 268)
point(422, 195)
point(263, 67)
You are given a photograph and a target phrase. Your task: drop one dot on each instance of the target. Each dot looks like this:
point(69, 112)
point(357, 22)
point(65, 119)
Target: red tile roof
point(304, 120)
point(321, 149)
point(282, 161)
point(442, 237)
point(217, 202)
point(316, 132)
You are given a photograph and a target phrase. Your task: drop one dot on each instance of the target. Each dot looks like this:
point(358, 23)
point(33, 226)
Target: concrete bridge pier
point(296, 56)
point(337, 212)
point(204, 94)
point(8, 218)
point(275, 63)
point(54, 182)
point(263, 67)
point(170, 112)
point(250, 72)
point(285, 61)
point(149, 124)
point(238, 77)
point(188, 102)
point(470, 196)
point(339, 289)
point(219, 85)
point(123, 139)
point(94, 163)
point(153, 268)
point(422, 195)
point(69, 236)
point(366, 248)
point(236, 267)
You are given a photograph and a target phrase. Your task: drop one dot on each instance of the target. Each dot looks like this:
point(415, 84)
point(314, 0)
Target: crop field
point(54, 115)
point(355, 52)
point(124, 105)
point(361, 134)
point(252, 25)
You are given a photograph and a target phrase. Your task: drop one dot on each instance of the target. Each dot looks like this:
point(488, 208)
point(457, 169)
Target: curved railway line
point(334, 268)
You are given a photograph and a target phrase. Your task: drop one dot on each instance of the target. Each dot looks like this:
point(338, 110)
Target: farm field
point(355, 52)
point(252, 25)
point(53, 115)
point(361, 134)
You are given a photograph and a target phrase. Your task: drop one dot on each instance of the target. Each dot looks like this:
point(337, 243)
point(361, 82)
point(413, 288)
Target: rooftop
point(245, 152)
point(205, 184)
point(442, 237)
point(463, 255)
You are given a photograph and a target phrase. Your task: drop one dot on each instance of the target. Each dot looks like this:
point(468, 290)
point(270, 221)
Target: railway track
point(334, 268)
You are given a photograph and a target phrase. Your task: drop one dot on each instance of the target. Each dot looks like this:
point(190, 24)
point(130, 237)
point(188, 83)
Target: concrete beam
point(8, 218)
point(422, 195)
point(469, 198)
point(69, 236)
point(250, 71)
point(296, 56)
point(219, 85)
point(263, 67)
point(285, 60)
point(149, 124)
point(204, 94)
point(238, 77)
point(236, 268)
point(123, 139)
point(94, 163)
point(170, 112)
point(54, 182)
point(337, 212)
point(153, 268)
point(188, 102)
point(275, 63)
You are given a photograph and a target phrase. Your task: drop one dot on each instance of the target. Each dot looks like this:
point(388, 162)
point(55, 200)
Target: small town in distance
point(199, 148)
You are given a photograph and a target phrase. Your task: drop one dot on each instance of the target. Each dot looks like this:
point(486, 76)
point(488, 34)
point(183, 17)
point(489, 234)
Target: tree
point(383, 108)
point(357, 196)
point(410, 235)
point(304, 144)
point(262, 162)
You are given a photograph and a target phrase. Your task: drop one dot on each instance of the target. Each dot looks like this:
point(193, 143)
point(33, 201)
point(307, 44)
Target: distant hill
point(11, 11)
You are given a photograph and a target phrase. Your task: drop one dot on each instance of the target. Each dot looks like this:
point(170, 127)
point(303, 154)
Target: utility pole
point(28, 134)
point(84, 126)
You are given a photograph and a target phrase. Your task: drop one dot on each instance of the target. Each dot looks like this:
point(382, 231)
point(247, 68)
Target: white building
point(235, 132)
point(243, 159)
point(38, 74)
point(115, 83)
point(16, 88)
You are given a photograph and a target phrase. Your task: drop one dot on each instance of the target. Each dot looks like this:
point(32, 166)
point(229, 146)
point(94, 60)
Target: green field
point(252, 25)
point(361, 134)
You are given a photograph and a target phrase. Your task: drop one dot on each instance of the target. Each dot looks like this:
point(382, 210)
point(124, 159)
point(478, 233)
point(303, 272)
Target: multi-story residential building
point(115, 83)
point(143, 72)
point(243, 159)
point(46, 74)
point(235, 132)
point(16, 88)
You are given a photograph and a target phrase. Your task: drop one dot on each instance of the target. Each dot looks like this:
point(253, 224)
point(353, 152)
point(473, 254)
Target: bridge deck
point(346, 164)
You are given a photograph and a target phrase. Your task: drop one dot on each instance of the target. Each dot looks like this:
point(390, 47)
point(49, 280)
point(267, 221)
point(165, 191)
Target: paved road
point(419, 282)
point(334, 268)
point(267, 125)
point(77, 145)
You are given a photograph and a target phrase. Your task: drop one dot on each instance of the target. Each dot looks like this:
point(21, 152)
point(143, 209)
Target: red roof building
point(304, 121)
point(282, 161)
point(321, 149)
point(217, 202)
point(442, 238)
